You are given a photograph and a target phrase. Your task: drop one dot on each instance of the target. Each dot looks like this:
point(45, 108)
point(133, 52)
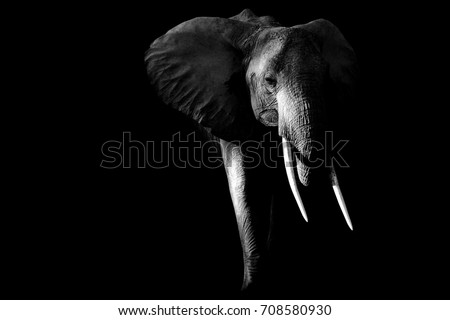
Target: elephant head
point(235, 75)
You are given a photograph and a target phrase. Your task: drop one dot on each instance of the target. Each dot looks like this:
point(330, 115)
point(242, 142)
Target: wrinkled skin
point(286, 77)
point(245, 76)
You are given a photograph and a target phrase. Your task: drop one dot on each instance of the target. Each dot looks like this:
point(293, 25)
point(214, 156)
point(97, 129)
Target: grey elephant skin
point(244, 77)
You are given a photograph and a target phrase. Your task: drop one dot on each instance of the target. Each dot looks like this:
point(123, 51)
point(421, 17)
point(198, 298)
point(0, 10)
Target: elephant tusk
point(340, 198)
point(288, 162)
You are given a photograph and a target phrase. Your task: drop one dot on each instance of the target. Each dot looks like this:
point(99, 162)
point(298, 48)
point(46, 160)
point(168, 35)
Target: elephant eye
point(270, 81)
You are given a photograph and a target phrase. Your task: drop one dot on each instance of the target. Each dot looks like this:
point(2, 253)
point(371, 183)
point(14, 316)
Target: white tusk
point(340, 198)
point(288, 161)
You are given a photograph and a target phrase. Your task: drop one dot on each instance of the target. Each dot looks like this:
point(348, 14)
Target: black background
point(83, 232)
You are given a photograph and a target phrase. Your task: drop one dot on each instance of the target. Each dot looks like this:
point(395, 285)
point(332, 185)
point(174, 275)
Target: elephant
point(245, 76)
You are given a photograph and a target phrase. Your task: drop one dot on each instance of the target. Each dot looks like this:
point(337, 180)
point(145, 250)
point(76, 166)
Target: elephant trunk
point(302, 127)
point(301, 124)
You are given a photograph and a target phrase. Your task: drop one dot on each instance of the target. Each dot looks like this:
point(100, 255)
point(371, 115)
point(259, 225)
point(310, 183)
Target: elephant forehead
point(299, 43)
point(279, 47)
point(266, 57)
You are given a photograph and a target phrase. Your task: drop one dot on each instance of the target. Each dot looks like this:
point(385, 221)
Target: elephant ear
point(197, 69)
point(339, 54)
